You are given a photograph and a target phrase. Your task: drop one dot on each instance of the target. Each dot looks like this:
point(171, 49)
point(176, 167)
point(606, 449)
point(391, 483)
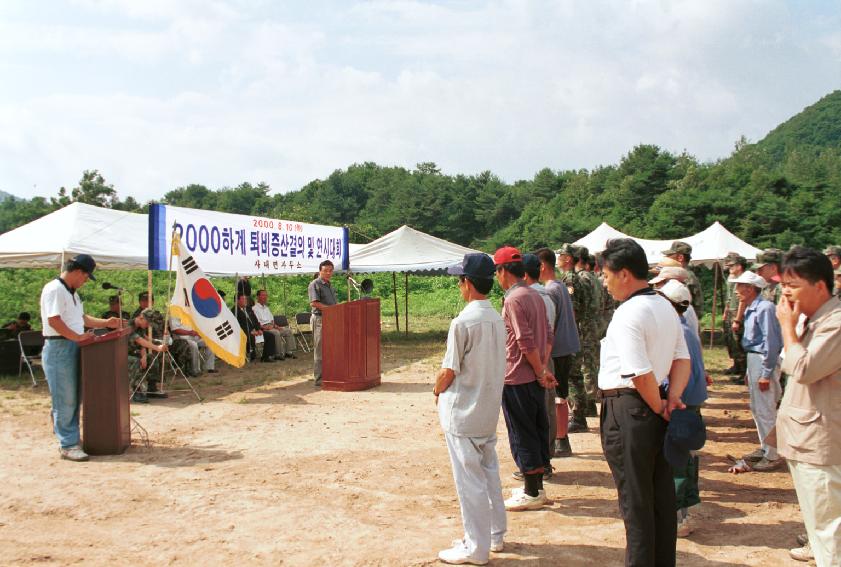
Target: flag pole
point(166, 315)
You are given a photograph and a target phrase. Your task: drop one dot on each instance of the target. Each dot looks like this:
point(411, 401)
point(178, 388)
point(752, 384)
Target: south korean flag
point(200, 308)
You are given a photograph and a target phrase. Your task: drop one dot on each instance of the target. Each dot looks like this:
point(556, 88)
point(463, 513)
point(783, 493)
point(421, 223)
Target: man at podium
point(321, 295)
point(64, 321)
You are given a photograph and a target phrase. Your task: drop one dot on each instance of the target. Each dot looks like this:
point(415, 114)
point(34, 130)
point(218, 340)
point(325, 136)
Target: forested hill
point(785, 189)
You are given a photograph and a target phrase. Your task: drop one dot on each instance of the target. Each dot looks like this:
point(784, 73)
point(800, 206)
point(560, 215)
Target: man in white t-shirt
point(63, 321)
point(468, 392)
point(282, 336)
point(644, 345)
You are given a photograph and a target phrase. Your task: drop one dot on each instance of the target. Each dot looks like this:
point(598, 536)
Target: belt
point(316, 314)
point(753, 352)
point(616, 392)
point(56, 338)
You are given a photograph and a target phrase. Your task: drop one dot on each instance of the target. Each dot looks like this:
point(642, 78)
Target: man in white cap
point(762, 341)
point(673, 273)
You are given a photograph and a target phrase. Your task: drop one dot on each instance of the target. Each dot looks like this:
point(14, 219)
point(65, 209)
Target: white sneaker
point(802, 553)
point(458, 555)
point(73, 453)
point(521, 501)
point(496, 546)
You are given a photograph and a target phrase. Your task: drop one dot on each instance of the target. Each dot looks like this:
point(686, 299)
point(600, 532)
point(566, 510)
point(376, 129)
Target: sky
point(158, 94)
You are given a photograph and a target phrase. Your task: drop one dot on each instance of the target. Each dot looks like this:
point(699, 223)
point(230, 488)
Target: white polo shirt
point(644, 336)
point(476, 353)
point(56, 299)
point(263, 314)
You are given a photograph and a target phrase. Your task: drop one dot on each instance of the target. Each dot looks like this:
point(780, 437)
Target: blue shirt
point(763, 334)
point(566, 332)
point(696, 390)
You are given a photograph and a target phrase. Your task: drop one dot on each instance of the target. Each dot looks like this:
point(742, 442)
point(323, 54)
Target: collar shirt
point(809, 418)
point(566, 340)
point(548, 302)
point(263, 314)
point(762, 334)
point(321, 291)
point(524, 314)
point(692, 319)
point(696, 390)
point(476, 354)
point(58, 299)
point(644, 336)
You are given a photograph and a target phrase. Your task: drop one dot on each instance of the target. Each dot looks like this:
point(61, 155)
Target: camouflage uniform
point(589, 332)
point(691, 282)
point(135, 371)
point(733, 339)
point(773, 291)
point(178, 349)
point(581, 295)
point(829, 252)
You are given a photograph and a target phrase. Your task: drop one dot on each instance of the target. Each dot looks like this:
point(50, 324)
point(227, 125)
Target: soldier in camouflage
point(767, 265)
point(834, 255)
point(140, 359)
point(609, 304)
point(735, 265)
point(579, 293)
point(589, 326)
point(838, 282)
point(681, 252)
point(180, 351)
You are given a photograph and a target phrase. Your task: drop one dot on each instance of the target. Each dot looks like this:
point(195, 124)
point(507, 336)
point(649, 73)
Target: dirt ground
point(268, 470)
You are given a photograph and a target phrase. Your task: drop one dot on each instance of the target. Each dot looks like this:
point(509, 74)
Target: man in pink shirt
point(528, 347)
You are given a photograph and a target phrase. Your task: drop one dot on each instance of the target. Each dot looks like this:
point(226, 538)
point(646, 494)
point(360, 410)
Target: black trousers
point(563, 367)
point(524, 409)
point(632, 440)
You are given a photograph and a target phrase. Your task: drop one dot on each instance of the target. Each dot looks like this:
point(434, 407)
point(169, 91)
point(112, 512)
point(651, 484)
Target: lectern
point(106, 422)
point(350, 345)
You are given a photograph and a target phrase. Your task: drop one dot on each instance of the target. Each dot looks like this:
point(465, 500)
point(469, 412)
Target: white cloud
point(161, 94)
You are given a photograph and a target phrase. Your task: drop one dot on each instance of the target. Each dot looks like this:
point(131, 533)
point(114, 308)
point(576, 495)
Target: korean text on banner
point(225, 243)
point(197, 303)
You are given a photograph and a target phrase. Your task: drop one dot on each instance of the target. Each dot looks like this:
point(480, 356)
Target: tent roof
point(708, 246)
point(406, 250)
point(116, 239)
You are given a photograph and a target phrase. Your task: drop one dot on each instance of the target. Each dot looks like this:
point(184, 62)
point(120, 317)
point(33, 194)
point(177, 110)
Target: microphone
point(106, 285)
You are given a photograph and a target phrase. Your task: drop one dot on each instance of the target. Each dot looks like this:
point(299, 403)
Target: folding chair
point(33, 342)
point(303, 320)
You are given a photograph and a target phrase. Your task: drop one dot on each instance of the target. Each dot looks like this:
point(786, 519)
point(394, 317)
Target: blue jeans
point(61, 365)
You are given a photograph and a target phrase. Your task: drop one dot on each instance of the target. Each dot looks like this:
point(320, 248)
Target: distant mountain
point(4, 196)
point(816, 128)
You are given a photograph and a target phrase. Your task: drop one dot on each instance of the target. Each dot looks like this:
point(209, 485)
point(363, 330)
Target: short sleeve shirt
point(263, 314)
point(321, 291)
point(57, 299)
point(644, 336)
point(476, 354)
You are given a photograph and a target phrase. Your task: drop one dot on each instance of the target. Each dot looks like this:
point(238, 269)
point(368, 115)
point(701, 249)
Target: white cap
point(676, 292)
point(670, 273)
point(751, 278)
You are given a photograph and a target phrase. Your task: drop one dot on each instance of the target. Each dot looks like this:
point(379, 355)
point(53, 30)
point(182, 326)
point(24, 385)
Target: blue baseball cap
point(474, 265)
point(686, 432)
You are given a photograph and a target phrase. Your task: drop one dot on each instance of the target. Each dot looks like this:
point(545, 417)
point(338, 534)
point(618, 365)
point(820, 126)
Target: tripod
point(176, 370)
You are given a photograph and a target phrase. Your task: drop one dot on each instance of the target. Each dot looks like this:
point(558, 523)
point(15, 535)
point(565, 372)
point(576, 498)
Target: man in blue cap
point(63, 322)
point(468, 392)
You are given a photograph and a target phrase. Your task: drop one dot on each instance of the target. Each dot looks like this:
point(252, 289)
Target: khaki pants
point(819, 494)
point(279, 344)
point(315, 322)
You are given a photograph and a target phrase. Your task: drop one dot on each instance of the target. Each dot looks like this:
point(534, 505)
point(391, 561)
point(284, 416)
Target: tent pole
point(284, 298)
point(394, 286)
point(406, 310)
point(715, 293)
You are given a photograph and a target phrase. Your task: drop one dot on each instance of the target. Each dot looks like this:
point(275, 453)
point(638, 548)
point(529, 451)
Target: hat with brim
point(749, 277)
point(86, 263)
point(670, 273)
point(507, 255)
point(768, 256)
point(474, 265)
point(678, 247)
point(832, 251)
point(676, 292)
point(686, 432)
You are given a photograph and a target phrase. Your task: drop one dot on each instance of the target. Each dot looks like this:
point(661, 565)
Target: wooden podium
point(350, 345)
point(106, 422)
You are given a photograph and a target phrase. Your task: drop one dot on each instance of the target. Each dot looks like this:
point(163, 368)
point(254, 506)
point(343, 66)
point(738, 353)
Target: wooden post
point(406, 311)
point(396, 314)
point(715, 293)
point(285, 308)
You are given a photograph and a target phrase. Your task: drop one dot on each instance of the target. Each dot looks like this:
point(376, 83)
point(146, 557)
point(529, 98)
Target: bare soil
point(268, 470)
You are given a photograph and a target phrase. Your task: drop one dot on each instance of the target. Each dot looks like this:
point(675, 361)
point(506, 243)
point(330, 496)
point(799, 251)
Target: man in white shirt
point(63, 321)
point(468, 392)
point(201, 357)
point(282, 336)
point(644, 345)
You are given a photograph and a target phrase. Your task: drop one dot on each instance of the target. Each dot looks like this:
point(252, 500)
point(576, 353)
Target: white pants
point(819, 494)
point(476, 475)
point(763, 405)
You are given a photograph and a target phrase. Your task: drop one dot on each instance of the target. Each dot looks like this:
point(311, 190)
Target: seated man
point(251, 327)
point(139, 362)
point(282, 336)
point(20, 324)
point(114, 309)
point(195, 355)
point(156, 321)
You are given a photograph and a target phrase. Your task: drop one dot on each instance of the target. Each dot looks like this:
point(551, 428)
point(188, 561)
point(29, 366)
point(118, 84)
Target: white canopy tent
point(116, 239)
point(708, 246)
point(408, 251)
